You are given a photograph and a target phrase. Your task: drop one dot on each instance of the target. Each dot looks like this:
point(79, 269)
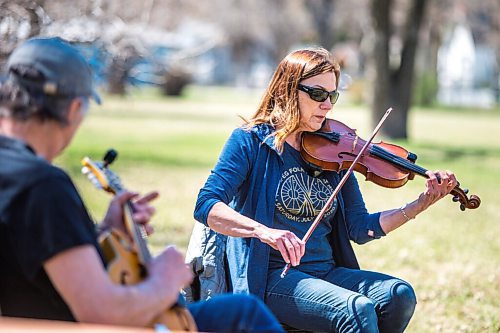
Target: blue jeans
point(341, 300)
point(234, 313)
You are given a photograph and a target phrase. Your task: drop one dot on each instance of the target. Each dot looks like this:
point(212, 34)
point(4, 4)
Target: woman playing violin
point(264, 197)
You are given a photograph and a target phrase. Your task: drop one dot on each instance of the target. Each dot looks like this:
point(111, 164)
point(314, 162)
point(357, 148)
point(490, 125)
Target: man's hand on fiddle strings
point(142, 210)
point(438, 185)
point(290, 246)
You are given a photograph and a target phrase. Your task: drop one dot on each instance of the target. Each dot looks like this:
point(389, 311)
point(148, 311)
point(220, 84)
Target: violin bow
point(339, 187)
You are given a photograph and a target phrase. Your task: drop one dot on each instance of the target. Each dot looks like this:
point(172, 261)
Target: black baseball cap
point(66, 72)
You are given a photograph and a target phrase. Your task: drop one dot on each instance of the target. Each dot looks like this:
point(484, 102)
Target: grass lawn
point(450, 257)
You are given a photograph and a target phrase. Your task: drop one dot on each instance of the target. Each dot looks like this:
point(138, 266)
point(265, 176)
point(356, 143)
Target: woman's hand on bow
point(290, 246)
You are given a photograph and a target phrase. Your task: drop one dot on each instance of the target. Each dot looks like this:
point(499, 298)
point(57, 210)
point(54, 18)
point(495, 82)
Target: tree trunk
point(427, 83)
point(176, 79)
point(19, 13)
point(322, 19)
point(241, 53)
point(117, 76)
point(380, 57)
point(393, 86)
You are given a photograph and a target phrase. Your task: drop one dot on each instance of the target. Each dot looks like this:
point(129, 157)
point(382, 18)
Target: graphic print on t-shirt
point(301, 197)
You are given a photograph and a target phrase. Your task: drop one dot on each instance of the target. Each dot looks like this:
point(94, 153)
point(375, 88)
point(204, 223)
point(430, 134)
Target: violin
point(128, 256)
point(335, 146)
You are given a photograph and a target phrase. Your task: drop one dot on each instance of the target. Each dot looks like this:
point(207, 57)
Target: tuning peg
point(143, 232)
point(96, 183)
point(109, 157)
point(466, 190)
point(93, 179)
point(455, 199)
point(462, 207)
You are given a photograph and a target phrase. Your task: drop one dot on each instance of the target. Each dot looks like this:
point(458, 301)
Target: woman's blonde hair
point(279, 106)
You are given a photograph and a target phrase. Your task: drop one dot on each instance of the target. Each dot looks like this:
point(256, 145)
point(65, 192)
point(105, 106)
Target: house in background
point(468, 74)
point(137, 54)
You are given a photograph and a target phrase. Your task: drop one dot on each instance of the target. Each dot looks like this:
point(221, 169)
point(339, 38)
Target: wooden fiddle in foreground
point(127, 261)
point(336, 145)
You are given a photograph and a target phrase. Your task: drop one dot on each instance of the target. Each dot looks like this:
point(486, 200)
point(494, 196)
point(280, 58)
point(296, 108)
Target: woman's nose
point(326, 104)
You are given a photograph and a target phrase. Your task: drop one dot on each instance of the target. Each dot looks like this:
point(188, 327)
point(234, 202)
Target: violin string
point(392, 158)
point(398, 160)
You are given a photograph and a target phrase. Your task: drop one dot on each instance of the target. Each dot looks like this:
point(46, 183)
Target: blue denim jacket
point(246, 178)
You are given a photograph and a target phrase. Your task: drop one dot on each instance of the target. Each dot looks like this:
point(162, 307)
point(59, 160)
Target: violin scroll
point(460, 195)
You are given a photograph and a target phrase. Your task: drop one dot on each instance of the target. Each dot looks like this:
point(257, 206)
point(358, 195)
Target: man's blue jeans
point(234, 313)
point(341, 300)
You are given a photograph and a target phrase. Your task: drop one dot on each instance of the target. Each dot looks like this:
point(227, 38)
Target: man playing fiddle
point(51, 264)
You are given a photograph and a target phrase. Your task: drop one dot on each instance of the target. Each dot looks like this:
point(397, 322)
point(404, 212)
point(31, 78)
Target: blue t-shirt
point(299, 199)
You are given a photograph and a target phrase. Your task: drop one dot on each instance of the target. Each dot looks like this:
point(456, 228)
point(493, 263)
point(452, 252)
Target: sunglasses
point(320, 95)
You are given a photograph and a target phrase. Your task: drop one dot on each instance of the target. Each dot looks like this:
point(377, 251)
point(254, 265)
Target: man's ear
point(74, 114)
